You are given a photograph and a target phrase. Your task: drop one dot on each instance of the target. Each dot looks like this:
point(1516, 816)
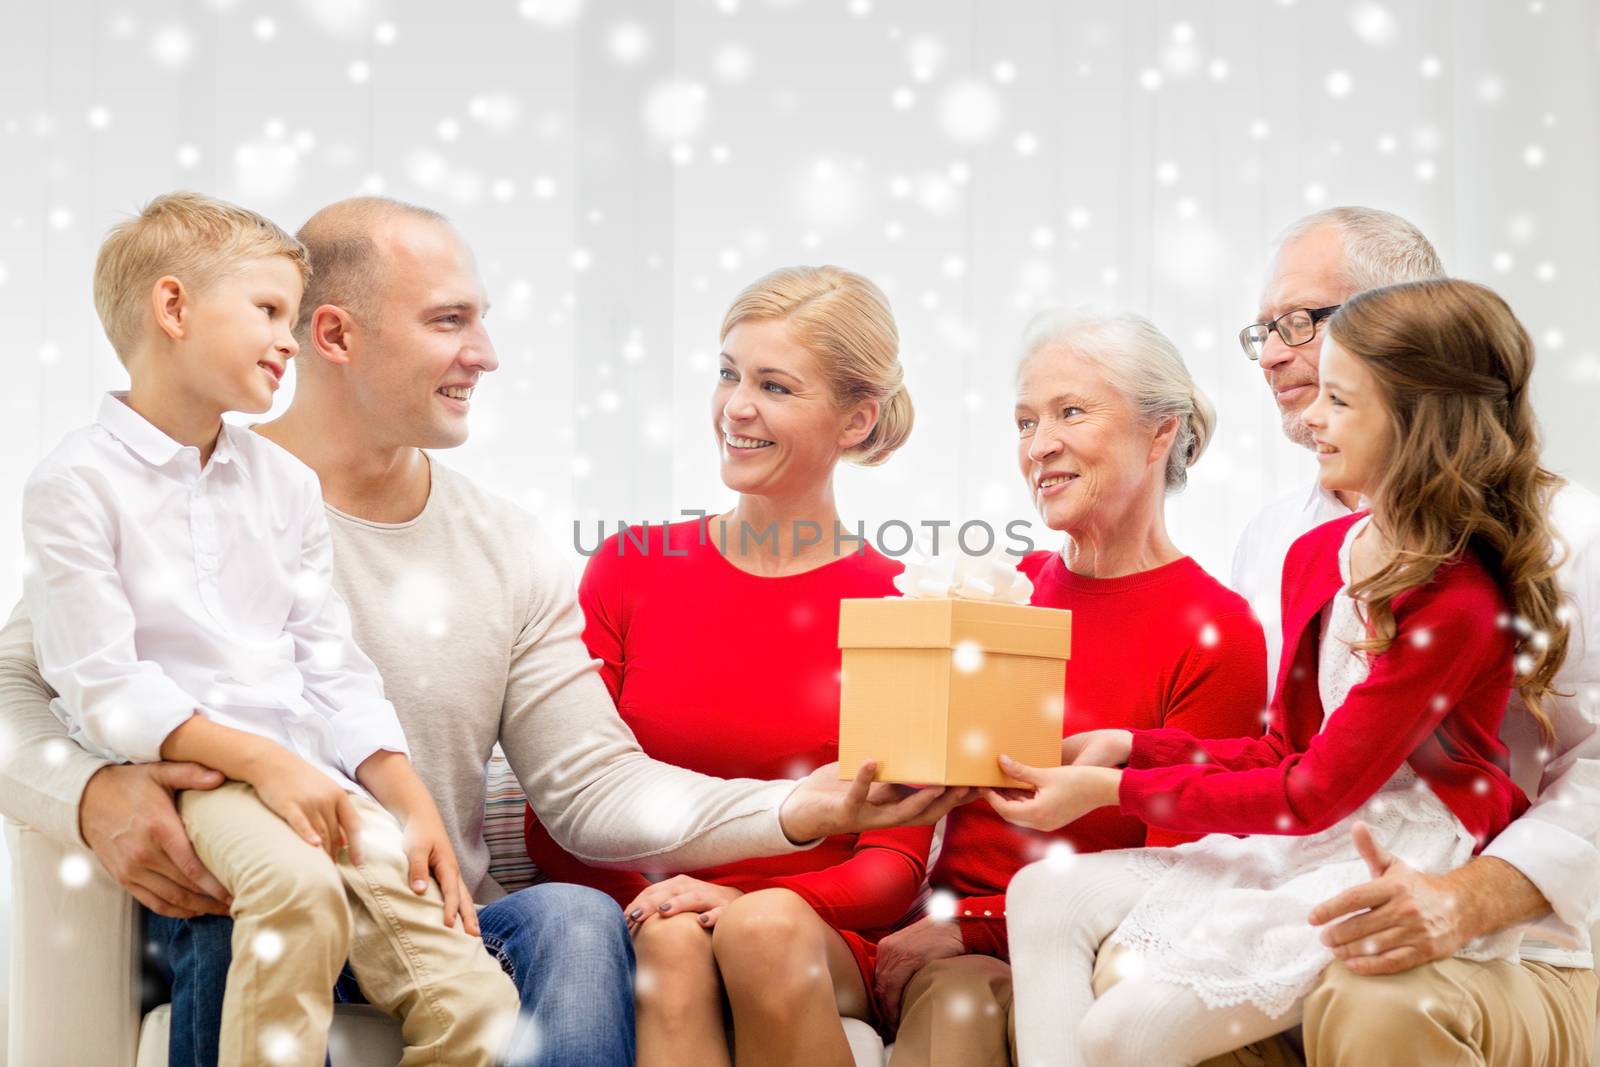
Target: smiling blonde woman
point(719, 643)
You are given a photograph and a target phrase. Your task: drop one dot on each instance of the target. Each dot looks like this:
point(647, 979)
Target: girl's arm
point(1447, 647)
point(1168, 746)
point(1217, 699)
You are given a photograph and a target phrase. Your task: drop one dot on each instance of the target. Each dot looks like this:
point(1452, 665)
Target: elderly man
point(392, 345)
point(1398, 994)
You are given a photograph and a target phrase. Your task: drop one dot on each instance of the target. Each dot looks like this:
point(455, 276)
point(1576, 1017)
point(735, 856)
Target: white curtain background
point(622, 169)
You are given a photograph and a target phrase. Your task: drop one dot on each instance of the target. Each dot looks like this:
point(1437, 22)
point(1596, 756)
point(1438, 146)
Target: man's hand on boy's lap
point(129, 819)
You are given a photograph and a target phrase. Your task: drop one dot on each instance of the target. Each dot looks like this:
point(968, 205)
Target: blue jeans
point(566, 947)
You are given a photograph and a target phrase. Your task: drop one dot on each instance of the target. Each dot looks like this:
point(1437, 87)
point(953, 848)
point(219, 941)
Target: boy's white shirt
point(1556, 842)
point(470, 615)
point(159, 588)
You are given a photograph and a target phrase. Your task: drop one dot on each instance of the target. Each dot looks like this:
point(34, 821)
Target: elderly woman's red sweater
point(1167, 646)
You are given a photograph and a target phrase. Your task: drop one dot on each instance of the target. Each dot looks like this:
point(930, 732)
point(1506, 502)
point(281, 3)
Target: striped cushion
point(502, 826)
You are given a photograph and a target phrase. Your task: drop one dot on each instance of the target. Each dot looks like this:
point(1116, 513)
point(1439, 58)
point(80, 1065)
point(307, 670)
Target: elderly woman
point(719, 641)
point(1108, 423)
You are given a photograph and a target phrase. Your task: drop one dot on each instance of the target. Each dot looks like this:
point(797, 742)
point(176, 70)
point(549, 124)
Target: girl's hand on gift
point(678, 895)
point(1097, 748)
point(1059, 795)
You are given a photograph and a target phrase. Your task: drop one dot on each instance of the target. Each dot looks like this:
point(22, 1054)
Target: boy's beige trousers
point(297, 916)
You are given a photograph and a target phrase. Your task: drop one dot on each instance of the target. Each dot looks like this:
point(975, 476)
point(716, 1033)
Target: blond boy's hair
point(196, 239)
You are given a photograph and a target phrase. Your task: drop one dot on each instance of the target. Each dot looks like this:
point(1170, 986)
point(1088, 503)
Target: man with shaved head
point(392, 346)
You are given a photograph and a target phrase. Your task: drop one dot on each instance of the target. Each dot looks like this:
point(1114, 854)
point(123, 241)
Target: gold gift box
point(935, 689)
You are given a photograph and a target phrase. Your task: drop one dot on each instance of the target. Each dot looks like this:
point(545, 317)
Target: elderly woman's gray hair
point(1141, 363)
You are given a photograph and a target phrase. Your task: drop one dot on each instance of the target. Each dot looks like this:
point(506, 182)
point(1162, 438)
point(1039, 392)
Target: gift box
point(935, 688)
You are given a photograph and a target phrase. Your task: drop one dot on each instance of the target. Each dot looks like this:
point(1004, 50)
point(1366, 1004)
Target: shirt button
point(987, 914)
point(968, 914)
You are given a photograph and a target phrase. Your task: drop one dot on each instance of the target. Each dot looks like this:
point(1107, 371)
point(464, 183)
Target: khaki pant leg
point(455, 1005)
point(291, 927)
point(1279, 1051)
point(957, 1013)
point(1453, 1012)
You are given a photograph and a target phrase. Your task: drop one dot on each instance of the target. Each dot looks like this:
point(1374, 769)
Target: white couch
point(76, 960)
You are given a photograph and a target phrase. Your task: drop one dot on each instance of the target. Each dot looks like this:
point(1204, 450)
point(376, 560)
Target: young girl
point(1405, 628)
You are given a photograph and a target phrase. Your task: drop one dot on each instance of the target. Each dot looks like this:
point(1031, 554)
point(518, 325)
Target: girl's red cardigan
point(1434, 698)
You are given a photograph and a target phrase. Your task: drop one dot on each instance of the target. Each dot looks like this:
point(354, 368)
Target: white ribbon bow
point(993, 577)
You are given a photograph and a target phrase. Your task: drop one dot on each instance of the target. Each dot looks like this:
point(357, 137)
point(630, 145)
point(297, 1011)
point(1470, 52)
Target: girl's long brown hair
point(1454, 365)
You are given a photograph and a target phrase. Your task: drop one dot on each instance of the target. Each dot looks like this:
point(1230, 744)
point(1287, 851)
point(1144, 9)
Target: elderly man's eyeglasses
point(1293, 328)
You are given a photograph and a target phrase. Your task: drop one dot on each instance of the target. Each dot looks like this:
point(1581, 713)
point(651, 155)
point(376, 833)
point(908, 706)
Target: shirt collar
point(143, 439)
point(1321, 500)
point(227, 450)
point(136, 432)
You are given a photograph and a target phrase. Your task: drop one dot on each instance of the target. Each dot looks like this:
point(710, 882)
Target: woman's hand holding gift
point(679, 895)
point(1059, 795)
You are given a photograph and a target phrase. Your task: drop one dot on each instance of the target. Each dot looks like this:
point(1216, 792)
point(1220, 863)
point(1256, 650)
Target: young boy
point(179, 581)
